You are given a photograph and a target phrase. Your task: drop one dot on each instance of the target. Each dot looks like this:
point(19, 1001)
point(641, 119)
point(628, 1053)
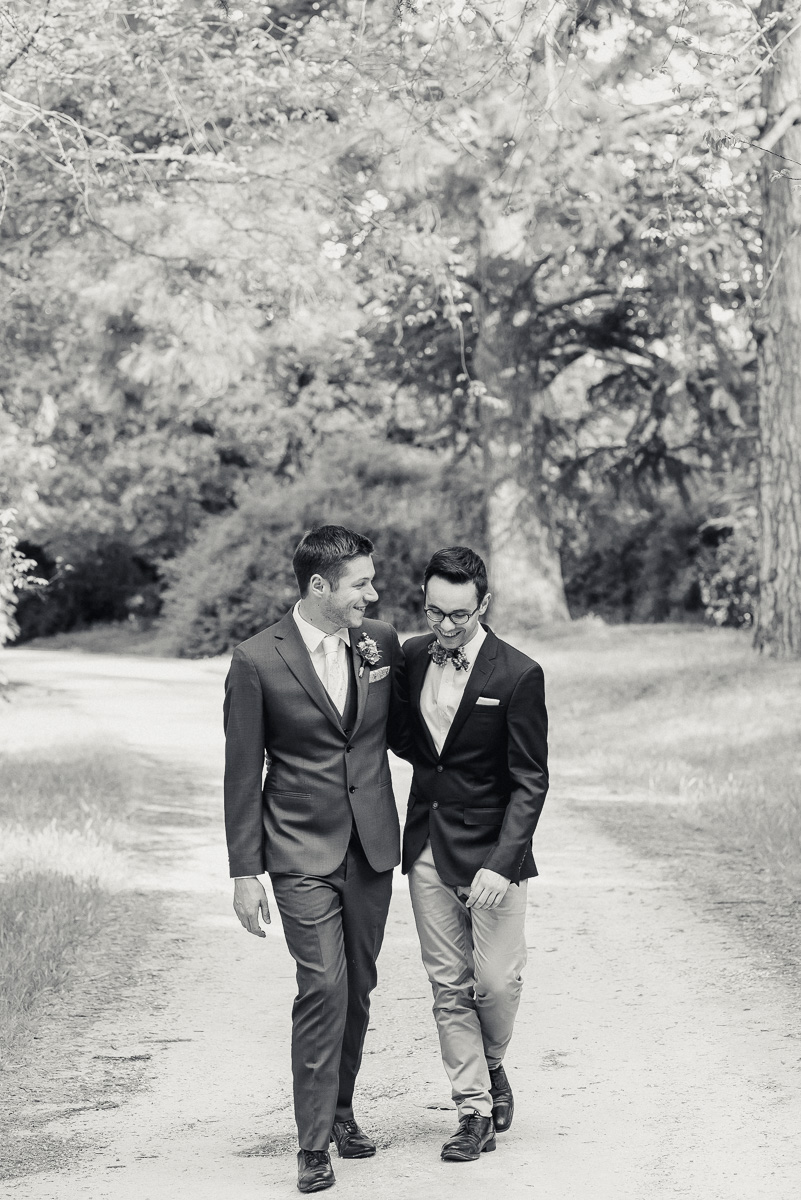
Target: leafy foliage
point(15, 576)
point(670, 562)
point(236, 578)
point(521, 237)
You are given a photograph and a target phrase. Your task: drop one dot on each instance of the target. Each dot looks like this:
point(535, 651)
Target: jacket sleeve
point(527, 736)
point(399, 738)
point(243, 721)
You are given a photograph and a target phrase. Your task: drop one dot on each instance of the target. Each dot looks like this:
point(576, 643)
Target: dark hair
point(459, 564)
point(325, 551)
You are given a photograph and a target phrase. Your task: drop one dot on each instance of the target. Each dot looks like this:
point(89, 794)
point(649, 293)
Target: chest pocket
point(483, 816)
point(488, 711)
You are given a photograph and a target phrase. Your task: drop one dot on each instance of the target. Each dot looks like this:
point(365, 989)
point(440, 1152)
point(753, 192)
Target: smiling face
point(454, 597)
point(344, 604)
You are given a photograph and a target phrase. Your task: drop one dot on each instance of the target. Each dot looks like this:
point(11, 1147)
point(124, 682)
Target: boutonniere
point(370, 654)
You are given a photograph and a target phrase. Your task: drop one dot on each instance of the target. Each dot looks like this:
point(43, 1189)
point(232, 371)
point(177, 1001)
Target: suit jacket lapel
point(292, 648)
point(480, 672)
point(362, 685)
point(417, 674)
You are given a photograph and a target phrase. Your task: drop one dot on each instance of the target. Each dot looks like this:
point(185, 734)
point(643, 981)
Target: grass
point(58, 823)
point(684, 724)
point(112, 637)
point(44, 919)
point(85, 789)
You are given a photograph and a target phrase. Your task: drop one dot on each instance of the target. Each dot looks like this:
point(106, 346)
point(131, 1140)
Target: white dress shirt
point(443, 688)
point(313, 640)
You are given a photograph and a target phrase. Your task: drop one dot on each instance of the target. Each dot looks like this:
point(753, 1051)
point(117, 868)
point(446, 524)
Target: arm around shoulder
point(399, 738)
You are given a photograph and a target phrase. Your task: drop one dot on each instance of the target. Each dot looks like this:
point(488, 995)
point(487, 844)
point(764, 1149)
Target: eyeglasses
point(436, 616)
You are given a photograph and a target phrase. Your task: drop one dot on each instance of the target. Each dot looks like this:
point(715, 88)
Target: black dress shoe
point(475, 1135)
point(351, 1142)
point(314, 1171)
point(503, 1102)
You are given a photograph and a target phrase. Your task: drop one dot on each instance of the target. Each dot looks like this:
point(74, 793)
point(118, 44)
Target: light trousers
point(474, 959)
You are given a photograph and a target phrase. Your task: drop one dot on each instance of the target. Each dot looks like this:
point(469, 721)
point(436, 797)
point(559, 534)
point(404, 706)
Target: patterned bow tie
point(439, 656)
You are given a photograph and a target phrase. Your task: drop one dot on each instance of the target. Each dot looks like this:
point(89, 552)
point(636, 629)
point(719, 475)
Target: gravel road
point(653, 1057)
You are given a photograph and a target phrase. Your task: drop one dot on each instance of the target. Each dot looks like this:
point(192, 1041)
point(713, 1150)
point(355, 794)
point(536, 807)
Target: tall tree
point(779, 621)
point(480, 227)
point(172, 319)
point(556, 251)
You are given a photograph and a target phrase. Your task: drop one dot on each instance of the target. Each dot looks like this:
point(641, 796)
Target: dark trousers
point(334, 926)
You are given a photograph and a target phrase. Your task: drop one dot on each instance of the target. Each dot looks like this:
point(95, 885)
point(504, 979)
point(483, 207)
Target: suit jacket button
point(348, 749)
point(351, 788)
point(435, 804)
point(440, 768)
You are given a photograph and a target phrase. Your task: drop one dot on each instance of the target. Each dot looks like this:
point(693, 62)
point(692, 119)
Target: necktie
point(336, 683)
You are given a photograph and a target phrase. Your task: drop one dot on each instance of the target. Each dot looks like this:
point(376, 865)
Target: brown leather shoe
point(475, 1136)
point(314, 1171)
point(503, 1102)
point(351, 1141)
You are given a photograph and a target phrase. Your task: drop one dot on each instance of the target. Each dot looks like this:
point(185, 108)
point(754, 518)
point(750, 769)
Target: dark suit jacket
point(319, 780)
point(480, 799)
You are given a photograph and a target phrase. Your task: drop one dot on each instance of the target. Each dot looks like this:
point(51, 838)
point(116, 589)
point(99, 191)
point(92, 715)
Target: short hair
point(459, 564)
point(326, 550)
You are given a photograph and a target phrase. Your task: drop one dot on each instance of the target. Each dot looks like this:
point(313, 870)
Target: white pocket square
point(487, 700)
point(381, 673)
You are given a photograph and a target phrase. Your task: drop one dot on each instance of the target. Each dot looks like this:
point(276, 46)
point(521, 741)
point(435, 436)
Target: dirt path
point(652, 1057)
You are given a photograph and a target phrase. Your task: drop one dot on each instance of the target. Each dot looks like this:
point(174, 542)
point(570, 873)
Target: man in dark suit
point(479, 749)
point(320, 693)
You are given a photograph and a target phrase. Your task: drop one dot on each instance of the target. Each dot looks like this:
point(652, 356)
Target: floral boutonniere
point(368, 649)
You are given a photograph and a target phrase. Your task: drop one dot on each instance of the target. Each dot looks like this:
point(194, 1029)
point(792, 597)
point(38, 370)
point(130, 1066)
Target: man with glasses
point(479, 729)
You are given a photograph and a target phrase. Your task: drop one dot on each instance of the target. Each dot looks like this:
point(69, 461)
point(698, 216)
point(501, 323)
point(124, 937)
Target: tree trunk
point(778, 629)
point(525, 569)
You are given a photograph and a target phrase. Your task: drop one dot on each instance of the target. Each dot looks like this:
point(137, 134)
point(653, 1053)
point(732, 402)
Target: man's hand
point(488, 889)
point(249, 897)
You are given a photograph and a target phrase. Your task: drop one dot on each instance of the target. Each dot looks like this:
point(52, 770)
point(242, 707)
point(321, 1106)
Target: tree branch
point(25, 47)
point(786, 121)
point(585, 295)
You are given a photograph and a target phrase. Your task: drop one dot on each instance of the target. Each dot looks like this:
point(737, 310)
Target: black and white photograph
point(400, 599)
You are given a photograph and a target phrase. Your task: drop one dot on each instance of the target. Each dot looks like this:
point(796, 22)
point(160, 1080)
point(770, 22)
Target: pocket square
point(490, 700)
point(381, 673)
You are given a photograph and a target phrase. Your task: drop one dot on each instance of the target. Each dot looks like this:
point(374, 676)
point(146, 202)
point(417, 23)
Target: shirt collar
point(312, 636)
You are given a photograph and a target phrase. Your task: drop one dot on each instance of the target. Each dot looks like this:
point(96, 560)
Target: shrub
point(108, 581)
point(237, 576)
point(729, 571)
point(674, 563)
point(15, 575)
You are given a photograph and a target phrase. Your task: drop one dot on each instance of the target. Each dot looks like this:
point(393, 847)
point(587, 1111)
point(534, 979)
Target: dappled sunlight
point(82, 856)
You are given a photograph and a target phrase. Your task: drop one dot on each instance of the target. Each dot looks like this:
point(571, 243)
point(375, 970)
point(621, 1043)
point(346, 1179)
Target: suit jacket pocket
point(484, 816)
point(487, 712)
point(280, 794)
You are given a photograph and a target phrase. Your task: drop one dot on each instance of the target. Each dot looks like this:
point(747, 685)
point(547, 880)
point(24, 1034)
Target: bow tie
point(439, 656)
